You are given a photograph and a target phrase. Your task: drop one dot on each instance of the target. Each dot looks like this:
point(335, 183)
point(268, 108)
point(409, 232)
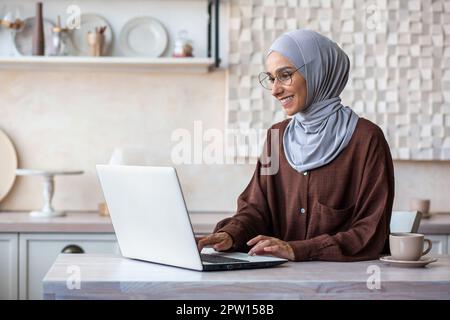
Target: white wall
point(399, 55)
point(74, 121)
point(59, 120)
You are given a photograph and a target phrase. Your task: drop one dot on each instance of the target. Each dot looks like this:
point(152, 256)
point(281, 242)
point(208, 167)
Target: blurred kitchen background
point(73, 114)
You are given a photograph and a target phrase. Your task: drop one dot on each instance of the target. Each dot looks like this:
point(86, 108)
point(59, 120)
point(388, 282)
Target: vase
point(38, 32)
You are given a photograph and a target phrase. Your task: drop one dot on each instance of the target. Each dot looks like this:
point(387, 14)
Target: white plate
point(88, 23)
point(8, 165)
point(143, 37)
point(23, 39)
point(422, 262)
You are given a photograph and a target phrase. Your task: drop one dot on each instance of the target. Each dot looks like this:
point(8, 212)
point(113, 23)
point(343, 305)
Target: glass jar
point(61, 42)
point(183, 46)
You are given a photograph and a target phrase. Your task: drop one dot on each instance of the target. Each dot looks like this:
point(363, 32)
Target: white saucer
point(422, 262)
point(143, 37)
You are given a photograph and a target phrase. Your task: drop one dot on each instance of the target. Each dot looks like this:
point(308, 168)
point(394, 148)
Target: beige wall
point(59, 120)
point(399, 54)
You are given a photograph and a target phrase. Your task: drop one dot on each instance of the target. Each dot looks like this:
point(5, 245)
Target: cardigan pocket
point(328, 220)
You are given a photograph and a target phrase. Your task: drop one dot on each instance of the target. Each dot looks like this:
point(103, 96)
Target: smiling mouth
point(285, 101)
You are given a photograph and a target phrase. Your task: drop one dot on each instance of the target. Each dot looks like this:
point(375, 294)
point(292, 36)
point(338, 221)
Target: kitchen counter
point(89, 222)
point(73, 222)
point(114, 277)
point(438, 223)
point(203, 223)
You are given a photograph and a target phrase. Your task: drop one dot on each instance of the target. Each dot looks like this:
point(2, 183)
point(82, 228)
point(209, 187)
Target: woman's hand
point(220, 241)
point(274, 246)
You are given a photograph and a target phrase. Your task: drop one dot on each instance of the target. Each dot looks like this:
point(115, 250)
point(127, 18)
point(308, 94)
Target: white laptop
point(151, 222)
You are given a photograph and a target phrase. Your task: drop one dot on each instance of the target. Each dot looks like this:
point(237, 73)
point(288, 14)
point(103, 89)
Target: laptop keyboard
point(212, 258)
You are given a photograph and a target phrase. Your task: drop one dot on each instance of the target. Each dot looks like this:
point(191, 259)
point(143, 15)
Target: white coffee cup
point(408, 246)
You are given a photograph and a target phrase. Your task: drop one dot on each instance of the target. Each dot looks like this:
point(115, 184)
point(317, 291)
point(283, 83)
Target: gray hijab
point(316, 135)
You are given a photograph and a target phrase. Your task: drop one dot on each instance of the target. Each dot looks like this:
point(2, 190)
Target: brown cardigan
point(338, 212)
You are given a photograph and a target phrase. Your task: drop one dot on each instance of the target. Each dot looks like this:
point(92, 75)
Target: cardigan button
point(305, 173)
point(302, 210)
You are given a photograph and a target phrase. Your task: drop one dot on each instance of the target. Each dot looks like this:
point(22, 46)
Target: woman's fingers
point(221, 246)
point(277, 251)
point(222, 241)
point(273, 246)
point(225, 244)
point(208, 240)
point(281, 251)
point(219, 240)
point(259, 247)
point(273, 249)
point(257, 239)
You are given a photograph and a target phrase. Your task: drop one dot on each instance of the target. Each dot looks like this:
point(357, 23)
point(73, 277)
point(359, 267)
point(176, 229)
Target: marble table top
point(90, 276)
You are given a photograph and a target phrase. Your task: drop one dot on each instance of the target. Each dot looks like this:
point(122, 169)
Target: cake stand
point(48, 191)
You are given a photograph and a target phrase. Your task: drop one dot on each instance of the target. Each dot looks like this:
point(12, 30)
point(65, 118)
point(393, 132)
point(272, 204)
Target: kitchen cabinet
point(29, 246)
point(440, 243)
point(437, 229)
point(9, 266)
point(39, 251)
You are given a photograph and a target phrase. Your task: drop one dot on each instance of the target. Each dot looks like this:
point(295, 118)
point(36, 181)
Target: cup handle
point(429, 246)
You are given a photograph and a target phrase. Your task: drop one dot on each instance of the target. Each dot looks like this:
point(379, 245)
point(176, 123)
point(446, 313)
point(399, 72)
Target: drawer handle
point(72, 248)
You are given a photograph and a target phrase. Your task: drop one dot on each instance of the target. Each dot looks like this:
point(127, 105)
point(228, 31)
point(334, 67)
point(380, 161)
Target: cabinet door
point(448, 245)
point(9, 281)
point(439, 243)
point(39, 251)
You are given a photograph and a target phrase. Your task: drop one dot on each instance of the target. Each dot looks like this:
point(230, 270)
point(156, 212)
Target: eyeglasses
point(283, 76)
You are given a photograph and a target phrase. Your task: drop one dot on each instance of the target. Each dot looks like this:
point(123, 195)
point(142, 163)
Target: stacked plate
point(143, 37)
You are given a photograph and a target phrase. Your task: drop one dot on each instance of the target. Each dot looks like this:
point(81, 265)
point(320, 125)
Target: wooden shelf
point(195, 65)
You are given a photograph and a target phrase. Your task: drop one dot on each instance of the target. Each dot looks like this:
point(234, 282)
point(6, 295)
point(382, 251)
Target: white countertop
point(203, 222)
point(114, 277)
point(88, 222)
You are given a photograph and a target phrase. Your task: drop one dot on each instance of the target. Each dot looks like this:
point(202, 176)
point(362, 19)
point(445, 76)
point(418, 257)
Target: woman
point(332, 196)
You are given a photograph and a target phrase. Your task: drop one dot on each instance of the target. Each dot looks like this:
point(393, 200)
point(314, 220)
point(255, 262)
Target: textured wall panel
point(400, 66)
